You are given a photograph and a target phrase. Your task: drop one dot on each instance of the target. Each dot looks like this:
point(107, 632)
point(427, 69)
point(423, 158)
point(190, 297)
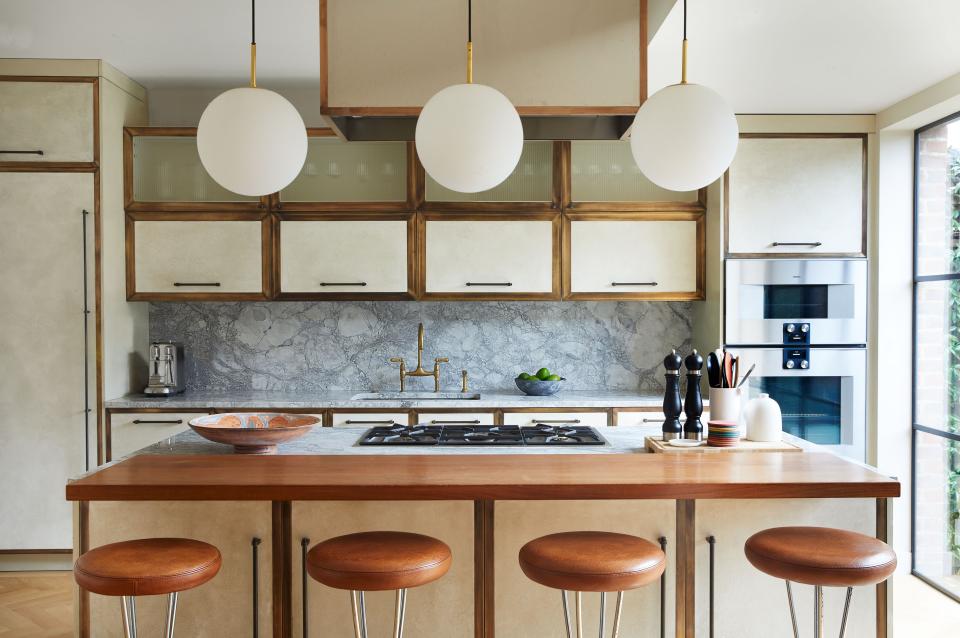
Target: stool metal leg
point(818, 611)
point(846, 609)
point(398, 613)
point(363, 616)
point(357, 633)
point(566, 614)
point(171, 613)
point(129, 609)
point(616, 615)
point(603, 612)
point(579, 601)
point(793, 612)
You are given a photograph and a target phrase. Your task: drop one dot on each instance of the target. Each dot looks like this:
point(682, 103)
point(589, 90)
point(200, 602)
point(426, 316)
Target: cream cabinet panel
point(221, 256)
point(455, 418)
point(343, 256)
point(130, 432)
point(369, 419)
point(484, 257)
point(756, 607)
point(592, 419)
point(797, 196)
point(53, 117)
point(221, 607)
point(633, 256)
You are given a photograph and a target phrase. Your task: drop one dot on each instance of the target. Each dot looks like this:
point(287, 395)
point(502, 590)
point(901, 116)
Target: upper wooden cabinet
point(490, 256)
point(352, 255)
point(197, 256)
point(634, 256)
point(799, 195)
point(379, 56)
point(47, 121)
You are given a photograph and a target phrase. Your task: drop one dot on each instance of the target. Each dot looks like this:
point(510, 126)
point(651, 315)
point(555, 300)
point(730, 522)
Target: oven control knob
point(804, 327)
point(790, 364)
point(804, 364)
point(790, 328)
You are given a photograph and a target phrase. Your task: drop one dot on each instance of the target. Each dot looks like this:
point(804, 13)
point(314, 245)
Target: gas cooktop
point(482, 435)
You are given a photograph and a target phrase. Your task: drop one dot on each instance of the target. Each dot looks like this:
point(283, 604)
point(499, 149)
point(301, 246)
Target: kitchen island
point(485, 504)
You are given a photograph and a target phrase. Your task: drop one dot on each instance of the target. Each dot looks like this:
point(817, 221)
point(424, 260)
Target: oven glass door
point(824, 403)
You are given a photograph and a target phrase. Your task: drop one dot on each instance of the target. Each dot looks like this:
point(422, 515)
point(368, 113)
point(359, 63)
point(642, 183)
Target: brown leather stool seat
point(377, 561)
point(821, 556)
point(147, 567)
point(592, 561)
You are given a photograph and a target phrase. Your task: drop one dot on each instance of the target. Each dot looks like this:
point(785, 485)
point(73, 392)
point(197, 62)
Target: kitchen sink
point(416, 396)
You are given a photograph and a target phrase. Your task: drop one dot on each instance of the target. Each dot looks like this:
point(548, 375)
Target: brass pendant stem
point(253, 65)
point(469, 62)
point(683, 64)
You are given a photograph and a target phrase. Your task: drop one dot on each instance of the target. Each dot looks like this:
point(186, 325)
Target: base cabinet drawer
point(653, 418)
point(592, 419)
point(46, 121)
point(454, 418)
point(635, 256)
point(133, 431)
point(327, 257)
point(369, 419)
point(209, 258)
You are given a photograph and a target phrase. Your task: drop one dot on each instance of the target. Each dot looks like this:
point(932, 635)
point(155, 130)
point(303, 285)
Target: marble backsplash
point(344, 346)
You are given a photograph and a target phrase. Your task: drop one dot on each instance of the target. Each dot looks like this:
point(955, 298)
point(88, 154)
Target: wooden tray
point(656, 444)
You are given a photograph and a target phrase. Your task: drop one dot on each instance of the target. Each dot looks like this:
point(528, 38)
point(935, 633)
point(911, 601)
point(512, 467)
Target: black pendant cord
point(684, 19)
point(469, 20)
point(253, 21)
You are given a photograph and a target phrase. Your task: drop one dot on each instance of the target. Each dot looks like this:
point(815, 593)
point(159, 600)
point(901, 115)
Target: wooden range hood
point(574, 69)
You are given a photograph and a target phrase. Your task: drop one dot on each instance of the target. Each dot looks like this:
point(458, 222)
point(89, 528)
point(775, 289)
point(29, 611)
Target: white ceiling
point(765, 56)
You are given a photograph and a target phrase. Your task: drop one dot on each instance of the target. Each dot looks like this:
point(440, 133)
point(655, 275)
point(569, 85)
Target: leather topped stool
point(147, 567)
point(593, 562)
point(822, 557)
point(378, 561)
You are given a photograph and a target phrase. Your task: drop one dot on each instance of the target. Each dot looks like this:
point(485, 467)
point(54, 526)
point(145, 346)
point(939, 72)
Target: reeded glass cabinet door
point(338, 171)
point(531, 180)
point(168, 169)
point(605, 171)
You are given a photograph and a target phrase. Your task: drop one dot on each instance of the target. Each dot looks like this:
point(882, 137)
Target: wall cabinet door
point(133, 431)
point(490, 256)
point(634, 256)
point(195, 258)
point(355, 256)
point(798, 196)
point(53, 117)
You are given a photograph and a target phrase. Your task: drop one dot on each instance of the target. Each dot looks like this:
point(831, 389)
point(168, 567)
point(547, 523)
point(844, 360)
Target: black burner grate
point(482, 435)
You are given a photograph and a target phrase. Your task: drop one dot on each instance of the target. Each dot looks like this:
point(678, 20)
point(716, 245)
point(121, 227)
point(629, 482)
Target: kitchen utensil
point(736, 372)
point(693, 405)
point(747, 375)
point(166, 368)
point(727, 369)
point(713, 370)
point(538, 388)
point(253, 432)
point(725, 404)
point(764, 420)
point(672, 405)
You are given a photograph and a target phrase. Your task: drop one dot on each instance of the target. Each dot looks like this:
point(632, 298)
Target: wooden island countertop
point(527, 476)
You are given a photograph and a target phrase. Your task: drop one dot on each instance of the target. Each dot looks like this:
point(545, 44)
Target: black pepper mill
point(672, 408)
point(693, 406)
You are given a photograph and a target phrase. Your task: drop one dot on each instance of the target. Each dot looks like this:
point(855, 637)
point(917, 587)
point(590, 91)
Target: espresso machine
point(166, 368)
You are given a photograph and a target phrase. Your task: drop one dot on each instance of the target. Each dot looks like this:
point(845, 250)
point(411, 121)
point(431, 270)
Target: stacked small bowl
point(723, 433)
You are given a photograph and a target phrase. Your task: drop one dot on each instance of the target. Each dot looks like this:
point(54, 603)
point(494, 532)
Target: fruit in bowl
point(543, 383)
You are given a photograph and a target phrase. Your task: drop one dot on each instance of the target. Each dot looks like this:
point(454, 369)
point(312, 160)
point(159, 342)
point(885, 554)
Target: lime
point(524, 376)
point(553, 377)
point(543, 373)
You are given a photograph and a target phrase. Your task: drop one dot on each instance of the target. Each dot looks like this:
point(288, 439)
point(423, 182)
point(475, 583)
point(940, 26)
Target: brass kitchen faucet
point(419, 371)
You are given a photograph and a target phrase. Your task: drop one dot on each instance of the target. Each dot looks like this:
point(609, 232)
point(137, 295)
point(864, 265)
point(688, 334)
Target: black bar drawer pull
point(36, 152)
point(649, 420)
point(157, 421)
point(445, 422)
point(663, 591)
point(489, 283)
point(812, 244)
point(343, 283)
point(557, 421)
point(712, 541)
point(353, 422)
point(215, 284)
point(254, 545)
point(304, 543)
point(634, 283)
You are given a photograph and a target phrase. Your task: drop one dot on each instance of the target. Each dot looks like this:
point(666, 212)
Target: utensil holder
point(725, 404)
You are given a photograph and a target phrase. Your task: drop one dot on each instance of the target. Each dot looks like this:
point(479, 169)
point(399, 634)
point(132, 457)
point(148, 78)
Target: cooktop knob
point(804, 327)
point(804, 364)
point(790, 364)
point(790, 328)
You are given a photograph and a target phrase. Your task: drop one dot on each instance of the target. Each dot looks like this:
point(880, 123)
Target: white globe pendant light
point(685, 135)
point(469, 137)
point(252, 141)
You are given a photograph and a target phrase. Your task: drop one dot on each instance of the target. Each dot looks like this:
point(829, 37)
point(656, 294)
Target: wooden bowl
point(253, 432)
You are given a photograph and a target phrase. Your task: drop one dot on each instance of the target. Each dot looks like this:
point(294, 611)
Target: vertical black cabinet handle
point(304, 542)
point(86, 348)
point(254, 545)
point(713, 542)
point(663, 591)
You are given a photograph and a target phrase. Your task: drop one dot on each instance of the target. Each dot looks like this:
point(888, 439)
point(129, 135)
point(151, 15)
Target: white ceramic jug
point(764, 421)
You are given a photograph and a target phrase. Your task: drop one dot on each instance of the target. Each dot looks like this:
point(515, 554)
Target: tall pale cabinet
point(68, 337)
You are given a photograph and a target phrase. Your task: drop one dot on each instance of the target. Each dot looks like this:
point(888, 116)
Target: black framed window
point(936, 356)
